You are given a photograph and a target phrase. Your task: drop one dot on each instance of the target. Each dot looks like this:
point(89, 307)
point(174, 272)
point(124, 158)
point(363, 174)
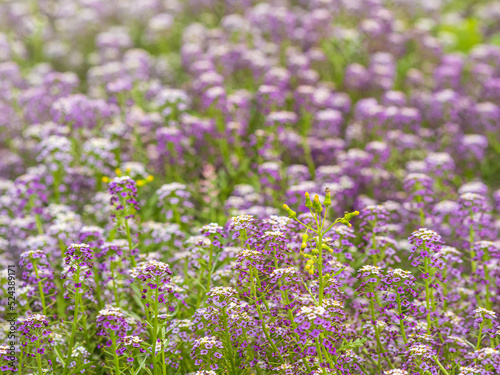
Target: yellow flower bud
point(317, 205)
point(345, 222)
point(327, 248)
point(349, 216)
point(308, 200)
point(289, 211)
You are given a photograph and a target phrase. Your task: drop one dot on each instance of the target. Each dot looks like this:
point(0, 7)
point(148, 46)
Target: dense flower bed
point(250, 187)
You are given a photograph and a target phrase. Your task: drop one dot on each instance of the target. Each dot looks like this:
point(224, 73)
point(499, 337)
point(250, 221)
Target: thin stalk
point(21, 362)
point(440, 365)
point(487, 287)
point(261, 317)
point(155, 326)
point(115, 355)
point(40, 290)
point(115, 292)
point(318, 348)
point(97, 286)
point(401, 321)
point(210, 266)
point(57, 193)
point(130, 245)
point(38, 220)
point(422, 217)
point(427, 295)
point(377, 334)
point(327, 357)
point(284, 296)
point(163, 362)
point(480, 335)
point(228, 340)
point(75, 321)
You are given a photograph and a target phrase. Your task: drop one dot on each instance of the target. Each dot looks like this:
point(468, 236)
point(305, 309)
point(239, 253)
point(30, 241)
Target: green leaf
point(82, 367)
point(141, 366)
point(59, 355)
point(354, 344)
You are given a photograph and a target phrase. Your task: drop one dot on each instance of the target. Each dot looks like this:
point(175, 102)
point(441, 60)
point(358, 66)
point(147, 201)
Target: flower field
point(245, 187)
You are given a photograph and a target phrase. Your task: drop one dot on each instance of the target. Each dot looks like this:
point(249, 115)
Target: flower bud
point(290, 212)
point(327, 248)
point(317, 205)
point(328, 199)
point(305, 237)
point(308, 201)
point(349, 216)
point(345, 222)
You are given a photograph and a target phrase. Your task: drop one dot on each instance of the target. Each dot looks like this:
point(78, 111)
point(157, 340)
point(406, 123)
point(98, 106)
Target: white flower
point(370, 269)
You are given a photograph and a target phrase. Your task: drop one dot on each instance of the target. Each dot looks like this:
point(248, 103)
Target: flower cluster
point(206, 350)
point(123, 191)
point(34, 331)
point(111, 321)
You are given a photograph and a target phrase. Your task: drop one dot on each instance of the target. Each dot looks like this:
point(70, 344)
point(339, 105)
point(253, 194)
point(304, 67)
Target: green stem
point(75, 321)
point(228, 340)
point(320, 267)
point(261, 317)
point(401, 321)
point(209, 282)
point(39, 364)
point(440, 365)
point(40, 290)
point(321, 360)
point(97, 285)
point(422, 217)
point(327, 356)
point(155, 326)
point(115, 355)
point(377, 334)
point(21, 362)
point(480, 335)
point(115, 292)
point(57, 193)
point(308, 157)
point(487, 287)
point(427, 296)
point(38, 220)
point(374, 246)
point(130, 245)
point(372, 311)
